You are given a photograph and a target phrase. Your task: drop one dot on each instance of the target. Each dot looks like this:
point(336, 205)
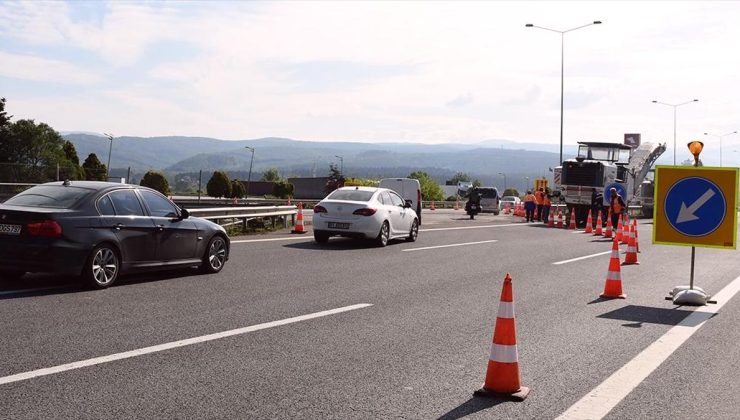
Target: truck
point(599, 166)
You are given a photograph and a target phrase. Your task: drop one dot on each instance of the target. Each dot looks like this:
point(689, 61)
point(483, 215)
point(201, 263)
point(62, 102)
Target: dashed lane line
point(581, 258)
point(602, 399)
point(174, 344)
point(449, 246)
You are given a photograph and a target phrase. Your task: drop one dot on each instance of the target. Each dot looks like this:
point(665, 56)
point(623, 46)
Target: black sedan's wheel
point(414, 233)
point(320, 237)
point(11, 274)
point(385, 233)
point(215, 256)
point(102, 267)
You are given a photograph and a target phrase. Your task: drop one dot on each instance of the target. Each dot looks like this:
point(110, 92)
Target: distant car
point(365, 212)
point(98, 230)
point(511, 200)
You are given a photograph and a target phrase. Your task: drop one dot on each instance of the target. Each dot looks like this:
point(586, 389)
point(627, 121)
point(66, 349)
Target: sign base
point(685, 295)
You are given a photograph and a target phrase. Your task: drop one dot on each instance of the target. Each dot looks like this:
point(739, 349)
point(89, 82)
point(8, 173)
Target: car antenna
point(66, 183)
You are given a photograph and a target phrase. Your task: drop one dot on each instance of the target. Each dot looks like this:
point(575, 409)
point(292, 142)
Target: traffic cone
point(432, 206)
point(637, 242)
point(608, 232)
point(298, 228)
point(589, 223)
point(625, 232)
point(551, 222)
point(620, 230)
point(613, 286)
point(598, 231)
point(560, 219)
point(572, 219)
point(502, 376)
point(630, 257)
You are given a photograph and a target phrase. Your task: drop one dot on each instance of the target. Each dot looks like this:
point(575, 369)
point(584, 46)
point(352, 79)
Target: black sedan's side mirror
point(407, 204)
point(184, 214)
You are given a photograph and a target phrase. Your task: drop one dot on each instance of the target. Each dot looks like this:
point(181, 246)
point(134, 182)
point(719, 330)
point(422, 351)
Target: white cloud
point(27, 67)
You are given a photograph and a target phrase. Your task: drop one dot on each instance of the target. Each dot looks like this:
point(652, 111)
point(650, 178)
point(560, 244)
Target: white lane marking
point(473, 227)
point(449, 246)
point(602, 399)
point(580, 258)
point(294, 238)
point(174, 344)
point(40, 289)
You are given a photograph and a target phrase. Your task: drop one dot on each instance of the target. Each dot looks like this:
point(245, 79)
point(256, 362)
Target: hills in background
point(187, 155)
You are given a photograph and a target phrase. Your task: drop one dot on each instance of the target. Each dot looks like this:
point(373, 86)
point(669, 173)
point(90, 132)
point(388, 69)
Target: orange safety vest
point(616, 207)
point(546, 201)
point(538, 197)
point(529, 197)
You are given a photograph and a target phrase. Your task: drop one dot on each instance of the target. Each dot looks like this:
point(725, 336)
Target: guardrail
point(227, 216)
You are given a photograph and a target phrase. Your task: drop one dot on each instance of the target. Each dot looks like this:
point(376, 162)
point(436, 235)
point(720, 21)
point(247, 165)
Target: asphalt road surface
point(291, 329)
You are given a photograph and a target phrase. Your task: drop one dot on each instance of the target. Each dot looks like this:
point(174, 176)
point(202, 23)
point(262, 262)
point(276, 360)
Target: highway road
point(291, 329)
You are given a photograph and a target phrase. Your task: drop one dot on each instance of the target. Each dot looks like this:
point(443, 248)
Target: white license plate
point(334, 225)
point(10, 229)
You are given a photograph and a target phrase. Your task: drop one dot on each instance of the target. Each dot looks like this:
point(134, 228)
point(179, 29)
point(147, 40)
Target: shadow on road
point(645, 314)
point(340, 244)
point(471, 406)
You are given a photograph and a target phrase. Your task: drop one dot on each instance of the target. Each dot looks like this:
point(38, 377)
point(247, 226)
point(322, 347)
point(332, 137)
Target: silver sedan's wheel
point(385, 233)
point(414, 232)
point(215, 256)
point(102, 267)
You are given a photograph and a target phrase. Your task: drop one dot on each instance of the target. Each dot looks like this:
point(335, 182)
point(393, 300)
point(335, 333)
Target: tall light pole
point(504, 175)
point(562, 67)
point(720, 143)
point(249, 177)
point(674, 122)
point(110, 149)
point(341, 164)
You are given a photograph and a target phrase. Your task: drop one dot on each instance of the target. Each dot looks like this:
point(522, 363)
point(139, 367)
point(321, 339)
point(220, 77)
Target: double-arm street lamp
point(674, 122)
point(504, 175)
point(110, 149)
point(249, 177)
point(562, 67)
point(720, 143)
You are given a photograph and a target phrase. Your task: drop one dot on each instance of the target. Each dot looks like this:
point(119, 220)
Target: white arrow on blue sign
point(695, 206)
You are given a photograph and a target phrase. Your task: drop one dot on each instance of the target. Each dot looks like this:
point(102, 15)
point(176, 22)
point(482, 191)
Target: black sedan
point(98, 230)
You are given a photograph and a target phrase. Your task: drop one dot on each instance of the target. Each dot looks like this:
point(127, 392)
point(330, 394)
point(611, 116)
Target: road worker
point(546, 204)
point(539, 199)
point(617, 207)
point(529, 206)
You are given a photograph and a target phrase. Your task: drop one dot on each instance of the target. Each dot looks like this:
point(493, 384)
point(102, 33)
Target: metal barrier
point(243, 215)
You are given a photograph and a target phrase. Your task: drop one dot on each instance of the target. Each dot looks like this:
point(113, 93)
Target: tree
point(219, 185)
point(156, 181)
point(74, 170)
point(458, 177)
point(477, 183)
point(94, 169)
point(271, 175)
point(510, 192)
point(237, 189)
point(336, 179)
point(282, 189)
point(430, 189)
point(30, 152)
point(352, 182)
point(4, 118)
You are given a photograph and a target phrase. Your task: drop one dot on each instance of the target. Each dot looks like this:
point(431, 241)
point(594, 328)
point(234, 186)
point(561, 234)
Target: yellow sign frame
point(726, 179)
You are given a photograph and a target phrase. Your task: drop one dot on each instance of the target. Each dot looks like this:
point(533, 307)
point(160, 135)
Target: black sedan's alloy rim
point(104, 266)
point(217, 254)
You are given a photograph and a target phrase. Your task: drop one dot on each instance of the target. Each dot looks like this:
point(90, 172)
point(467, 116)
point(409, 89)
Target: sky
point(415, 71)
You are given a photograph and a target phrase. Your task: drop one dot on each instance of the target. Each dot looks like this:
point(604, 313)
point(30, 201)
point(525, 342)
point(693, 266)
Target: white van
point(407, 188)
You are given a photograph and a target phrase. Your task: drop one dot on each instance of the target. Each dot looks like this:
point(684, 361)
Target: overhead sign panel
point(696, 206)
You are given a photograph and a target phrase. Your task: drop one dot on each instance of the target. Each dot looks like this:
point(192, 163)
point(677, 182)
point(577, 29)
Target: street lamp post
point(341, 164)
point(504, 175)
point(720, 143)
point(674, 122)
point(110, 150)
point(562, 67)
point(249, 177)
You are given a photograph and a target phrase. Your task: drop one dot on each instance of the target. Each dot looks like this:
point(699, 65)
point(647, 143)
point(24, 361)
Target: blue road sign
point(695, 206)
point(608, 193)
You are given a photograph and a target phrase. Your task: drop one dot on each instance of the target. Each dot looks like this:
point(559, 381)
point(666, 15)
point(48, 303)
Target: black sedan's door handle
point(160, 227)
point(118, 226)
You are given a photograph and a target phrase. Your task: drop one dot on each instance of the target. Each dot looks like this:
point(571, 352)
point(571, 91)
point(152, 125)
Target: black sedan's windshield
point(52, 196)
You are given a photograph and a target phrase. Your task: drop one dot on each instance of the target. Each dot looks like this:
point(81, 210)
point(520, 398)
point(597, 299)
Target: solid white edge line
point(174, 344)
point(581, 258)
point(449, 246)
point(244, 241)
point(602, 399)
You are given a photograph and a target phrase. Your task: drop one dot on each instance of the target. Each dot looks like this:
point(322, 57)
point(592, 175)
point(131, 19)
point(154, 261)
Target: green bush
point(237, 189)
point(219, 185)
point(156, 181)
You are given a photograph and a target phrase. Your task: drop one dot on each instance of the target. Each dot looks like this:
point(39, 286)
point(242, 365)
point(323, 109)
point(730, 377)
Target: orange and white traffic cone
point(613, 286)
point(551, 221)
point(608, 233)
point(589, 223)
point(572, 219)
point(620, 230)
point(637, 242)
point(598, 231)
point(299, 228)
point(560, 219)
point(625, 232)
point(502, 376)
point(630, 257)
